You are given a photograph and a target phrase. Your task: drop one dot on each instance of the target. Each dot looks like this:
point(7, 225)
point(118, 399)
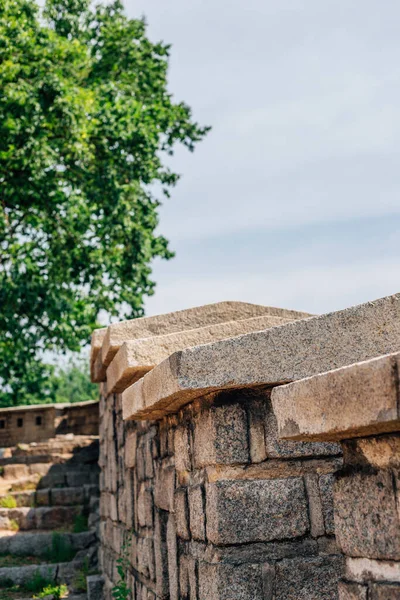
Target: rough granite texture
point(361, 399)
point(107, 341)
point(277, 355)
point(137, 357)
point(204, 521)
point(208, 502)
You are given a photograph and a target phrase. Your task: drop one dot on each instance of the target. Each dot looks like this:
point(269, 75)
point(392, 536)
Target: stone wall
point(188, 492)
point(200, 496)
point(359, 405)
point(26, 424)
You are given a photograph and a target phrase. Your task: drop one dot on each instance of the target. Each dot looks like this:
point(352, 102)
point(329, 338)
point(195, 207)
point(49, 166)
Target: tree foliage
point(86, 121)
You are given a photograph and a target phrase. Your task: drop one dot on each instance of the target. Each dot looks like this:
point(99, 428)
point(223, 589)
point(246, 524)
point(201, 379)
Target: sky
point(293, 199)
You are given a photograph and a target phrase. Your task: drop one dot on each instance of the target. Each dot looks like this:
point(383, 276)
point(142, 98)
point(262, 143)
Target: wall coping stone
point(274, 356)
point(137, 357)
point(107, 341)
point(358, 400)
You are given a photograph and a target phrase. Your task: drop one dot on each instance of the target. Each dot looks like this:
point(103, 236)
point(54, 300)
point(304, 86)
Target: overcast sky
point(293, 199)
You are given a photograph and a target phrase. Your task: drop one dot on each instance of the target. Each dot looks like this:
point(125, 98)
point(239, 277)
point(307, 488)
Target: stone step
point(68, 496)
point(84, 452)
point(60, 572)
point(49, 475)
point(46, 517)
point(40, 543)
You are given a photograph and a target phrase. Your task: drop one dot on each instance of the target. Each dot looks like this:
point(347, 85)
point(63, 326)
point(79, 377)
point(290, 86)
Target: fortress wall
point(201, 497)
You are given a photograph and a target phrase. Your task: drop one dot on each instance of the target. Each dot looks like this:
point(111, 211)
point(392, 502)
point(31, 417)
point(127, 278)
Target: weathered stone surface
point(21, 575)
point(197, 512)
point(183, 320)
point(164, 487)
point(130, 450)
point(137, 357)
point(277, 448)
point(161, 554)
point(290, 352)
point(42, 497)
point(326, 483)
point(220, 436)
point(382, 452)
point(173, 573)
point(145, 506)
point(363, 570)
point(308, 578)
point(224, 582)
point(314, 505)
point(182, 449)
point(95, 584)
point(357, 400)
point(366, 517)
point(251, 511)
point(352, 591)
point(181, 514)
point(385, 592)
point(67, 496)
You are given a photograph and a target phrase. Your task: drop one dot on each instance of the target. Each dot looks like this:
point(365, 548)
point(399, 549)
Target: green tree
point(86, 122)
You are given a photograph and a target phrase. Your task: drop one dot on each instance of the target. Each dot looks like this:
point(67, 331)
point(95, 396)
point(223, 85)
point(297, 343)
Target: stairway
point(49, 504)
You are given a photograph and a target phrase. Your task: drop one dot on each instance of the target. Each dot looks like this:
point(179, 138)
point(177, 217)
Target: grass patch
point(80, 524)
point(14, 525)
point(24, 486)
point(38, 586)
point(61, 550)
point(56, 591)
point(8, 502)
point(80, 580)
point(10, 560)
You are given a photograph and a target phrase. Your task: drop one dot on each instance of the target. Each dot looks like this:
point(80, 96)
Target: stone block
point(349, 402)
point(181, 514)
point(365, 570)
point(67, 496)
point(164, 487)
point(220, 435)
point(130, 450)
point(42, 497)
point(197, 512)
point(161, 554)
point(381, 452)
point(290, 352)
point(15, 471)
point(145, 506)
point(352, 591)
point(366, 517)
point(182, 449)
point(383, 591)
point(56, 517)
point(225, 582)
point(314, 578)
point(116, 334)
point(173, 572)
point(136, 357)
point(314, 505)
point(326, 491)
point(95, 585)
point(277, 448)
point(256, 511)
point(256, 417)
